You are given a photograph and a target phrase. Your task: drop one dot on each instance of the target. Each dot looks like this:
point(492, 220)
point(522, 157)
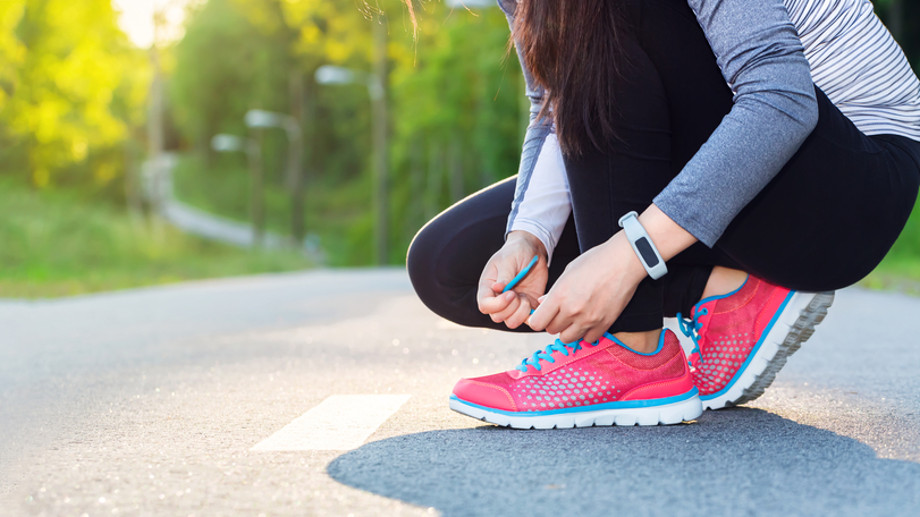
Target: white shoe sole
point(667, 414)
point(794, 326)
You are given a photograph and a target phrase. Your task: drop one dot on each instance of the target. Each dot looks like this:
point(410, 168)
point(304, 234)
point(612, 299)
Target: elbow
point(796, 110)
point(810, 115)
point(798, 103)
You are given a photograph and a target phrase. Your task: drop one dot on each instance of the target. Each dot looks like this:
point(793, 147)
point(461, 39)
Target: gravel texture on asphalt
point(147, 402)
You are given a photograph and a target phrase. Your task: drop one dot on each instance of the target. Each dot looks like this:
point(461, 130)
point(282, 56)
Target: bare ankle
point(642, 342)
point(723, 280)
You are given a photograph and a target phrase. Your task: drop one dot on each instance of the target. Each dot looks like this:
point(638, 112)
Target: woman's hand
point(595, 287)
point(591, 293)
point(513, 307)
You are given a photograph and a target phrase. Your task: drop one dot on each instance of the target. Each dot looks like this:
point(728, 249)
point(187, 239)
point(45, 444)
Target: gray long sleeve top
point(761, 56)
point(774, 110)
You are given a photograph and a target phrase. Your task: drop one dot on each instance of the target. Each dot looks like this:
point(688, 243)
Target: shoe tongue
point(728, 301)
point(739, 297)
point(647, 361)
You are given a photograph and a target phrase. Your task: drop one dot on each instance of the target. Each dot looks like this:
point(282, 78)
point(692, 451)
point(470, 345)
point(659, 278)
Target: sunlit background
point(149, 141)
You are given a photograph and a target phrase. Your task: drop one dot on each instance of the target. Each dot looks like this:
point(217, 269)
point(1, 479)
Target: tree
point(225, 65)
point(75, 92)
point(455, 106)
point(460, 113)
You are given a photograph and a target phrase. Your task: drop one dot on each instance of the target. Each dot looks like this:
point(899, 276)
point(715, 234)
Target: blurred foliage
point(227, 64)
point(72, 88)
point(74, 91)
point(456, 108)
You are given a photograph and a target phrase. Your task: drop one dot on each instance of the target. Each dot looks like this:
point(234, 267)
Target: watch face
point(648, 254)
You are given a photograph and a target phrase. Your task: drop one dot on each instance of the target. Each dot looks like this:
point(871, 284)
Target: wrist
point(621, 252)
point(529, 240)
point(643, 246)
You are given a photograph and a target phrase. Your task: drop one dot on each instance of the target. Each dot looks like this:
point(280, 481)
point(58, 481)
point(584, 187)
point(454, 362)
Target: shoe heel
point(802, 328)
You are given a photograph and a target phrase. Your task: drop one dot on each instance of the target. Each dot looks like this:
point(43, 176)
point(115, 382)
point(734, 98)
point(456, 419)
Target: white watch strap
point(643, 246)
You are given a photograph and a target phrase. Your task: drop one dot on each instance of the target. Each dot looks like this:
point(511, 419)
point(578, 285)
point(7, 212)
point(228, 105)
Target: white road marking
point(339, 423)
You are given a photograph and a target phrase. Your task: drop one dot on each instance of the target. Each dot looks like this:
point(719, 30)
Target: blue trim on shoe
point(626, 404)
point(744, 365)
point(609, 336)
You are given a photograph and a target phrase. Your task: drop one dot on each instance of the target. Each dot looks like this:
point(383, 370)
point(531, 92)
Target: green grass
point(56, 243)
point(337, 210)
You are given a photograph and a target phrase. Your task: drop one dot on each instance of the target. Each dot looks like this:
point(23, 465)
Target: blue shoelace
point(691, 329)
point(547, 354)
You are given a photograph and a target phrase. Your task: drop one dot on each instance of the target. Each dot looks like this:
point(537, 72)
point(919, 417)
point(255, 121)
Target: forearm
point(667, 235)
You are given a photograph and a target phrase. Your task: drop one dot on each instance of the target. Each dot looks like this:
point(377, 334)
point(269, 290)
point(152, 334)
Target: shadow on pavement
point(731, 462)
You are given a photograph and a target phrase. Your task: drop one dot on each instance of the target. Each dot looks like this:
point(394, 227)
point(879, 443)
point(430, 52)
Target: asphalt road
point(152, 402)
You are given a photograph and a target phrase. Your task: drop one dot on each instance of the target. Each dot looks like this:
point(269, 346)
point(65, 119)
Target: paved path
point(208, 399)
point(158, 187)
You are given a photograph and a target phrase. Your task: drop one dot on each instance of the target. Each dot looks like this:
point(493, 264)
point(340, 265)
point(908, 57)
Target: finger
point(484, 298)
point(522, 313)
point(543, 314)
point(531, 303)
point(572, 334)
point(594, 334)
point(484, 292)
point(492, 304)
point(505, 271)
point(486, 279)
point(512, 306)
point(561, 322)
point(498, 285)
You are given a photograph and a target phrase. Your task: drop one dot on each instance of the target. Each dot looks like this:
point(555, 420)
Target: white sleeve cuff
point(540, 232)
point(546, 206)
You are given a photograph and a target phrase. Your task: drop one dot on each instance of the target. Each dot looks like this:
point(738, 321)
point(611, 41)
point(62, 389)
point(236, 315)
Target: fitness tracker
point(643, 246)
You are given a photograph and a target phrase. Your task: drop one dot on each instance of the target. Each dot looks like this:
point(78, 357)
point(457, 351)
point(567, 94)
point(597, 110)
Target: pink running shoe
point(744, 337)
point(584, 384)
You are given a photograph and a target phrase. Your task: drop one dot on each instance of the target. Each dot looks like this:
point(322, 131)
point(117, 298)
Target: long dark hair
point(571, 48)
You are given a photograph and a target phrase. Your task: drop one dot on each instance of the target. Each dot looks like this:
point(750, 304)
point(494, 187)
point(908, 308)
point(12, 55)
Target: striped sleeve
point(859, 65)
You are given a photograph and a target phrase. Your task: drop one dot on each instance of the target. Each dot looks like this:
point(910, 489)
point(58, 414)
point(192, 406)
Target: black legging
point(823, 223)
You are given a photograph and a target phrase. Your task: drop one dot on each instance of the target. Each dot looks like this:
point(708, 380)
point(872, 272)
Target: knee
point(419, 257)
point(421, 263)
point(439, 280)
